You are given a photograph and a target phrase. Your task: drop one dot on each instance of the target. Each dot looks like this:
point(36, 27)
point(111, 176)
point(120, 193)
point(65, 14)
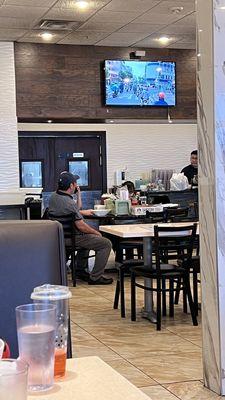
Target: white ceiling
point(135, 23)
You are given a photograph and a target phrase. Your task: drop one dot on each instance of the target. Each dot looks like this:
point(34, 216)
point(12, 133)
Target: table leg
point(147, 311)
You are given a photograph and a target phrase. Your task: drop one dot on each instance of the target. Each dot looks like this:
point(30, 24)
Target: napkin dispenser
point(122, 207)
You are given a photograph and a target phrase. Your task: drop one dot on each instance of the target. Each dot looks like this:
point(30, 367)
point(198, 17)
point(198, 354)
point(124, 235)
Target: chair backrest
point(176, 214)
point(68, 224)
point(153, 217)
point(179, 240)
point(153, 198)
point(31, 253)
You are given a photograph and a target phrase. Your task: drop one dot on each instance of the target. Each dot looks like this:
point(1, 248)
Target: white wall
point(9, 164)
point(139, 147)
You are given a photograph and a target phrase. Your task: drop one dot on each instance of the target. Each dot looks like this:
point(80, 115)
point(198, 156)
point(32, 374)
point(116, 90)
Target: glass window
point(80, 168)
point(31, 172)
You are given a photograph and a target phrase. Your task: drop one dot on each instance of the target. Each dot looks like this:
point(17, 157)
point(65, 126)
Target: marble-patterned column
point(211, 143)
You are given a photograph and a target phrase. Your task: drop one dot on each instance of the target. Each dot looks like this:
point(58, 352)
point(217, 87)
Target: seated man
point(191, 170)
point(62, 203)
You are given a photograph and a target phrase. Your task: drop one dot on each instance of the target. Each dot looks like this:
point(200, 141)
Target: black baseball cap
point(65, 180)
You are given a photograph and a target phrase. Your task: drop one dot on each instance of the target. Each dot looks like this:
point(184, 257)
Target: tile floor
point(166, 365)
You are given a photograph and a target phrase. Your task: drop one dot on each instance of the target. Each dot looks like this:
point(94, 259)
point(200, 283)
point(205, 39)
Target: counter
point(185, 198)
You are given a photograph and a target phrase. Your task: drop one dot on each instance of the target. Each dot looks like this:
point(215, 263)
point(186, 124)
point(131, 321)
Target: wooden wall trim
point(65, 82)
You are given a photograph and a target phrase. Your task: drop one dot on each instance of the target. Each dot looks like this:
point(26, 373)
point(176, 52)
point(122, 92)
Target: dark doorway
point(83, 153)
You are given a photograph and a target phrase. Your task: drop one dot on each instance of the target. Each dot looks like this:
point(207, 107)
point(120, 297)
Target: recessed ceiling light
point(164, 39)
point(222, 8)
point(82, 4)
point(46, 35)
point(49, 121)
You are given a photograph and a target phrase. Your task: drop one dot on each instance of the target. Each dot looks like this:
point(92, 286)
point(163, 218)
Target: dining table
point(146, 232)
point(90, 378)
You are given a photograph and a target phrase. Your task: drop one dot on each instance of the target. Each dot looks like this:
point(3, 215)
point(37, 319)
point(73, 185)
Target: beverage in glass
point(13, 379)
point(59, 296)
point(36, 338)
point(2, 345)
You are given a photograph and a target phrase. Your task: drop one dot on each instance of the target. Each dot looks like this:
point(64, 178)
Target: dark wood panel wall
point(65, 82)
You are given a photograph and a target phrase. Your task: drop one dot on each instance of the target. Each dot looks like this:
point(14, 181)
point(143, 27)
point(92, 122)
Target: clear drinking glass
point(2, 344)
point(59, 296)
point(36, 339)
point(13, 379)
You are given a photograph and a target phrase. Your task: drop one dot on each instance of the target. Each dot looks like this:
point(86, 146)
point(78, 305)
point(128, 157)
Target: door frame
point(71, 134)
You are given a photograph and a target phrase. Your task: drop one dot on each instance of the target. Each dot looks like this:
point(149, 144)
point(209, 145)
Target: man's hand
point(87, 212)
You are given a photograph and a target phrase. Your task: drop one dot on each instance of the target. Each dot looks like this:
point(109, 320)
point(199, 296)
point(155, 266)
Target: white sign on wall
point(80, 155)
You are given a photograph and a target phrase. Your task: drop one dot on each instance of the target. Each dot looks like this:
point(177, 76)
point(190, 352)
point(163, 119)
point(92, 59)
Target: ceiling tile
point(152, 41)
point(141, 28)
point(156, 18)
point(98, 26)
point(11, 34)
point(69, 14)
point(189, 20)
point(30, 13)
point(34, 36)
point(174, 28)
point(131, 5)
point(14, 23)
point(93, 4)
point(163, 14)
point(29, 3)
point(180, 45)
point(115, 16)
point(121, 39)
point(83, 38)
point(165, 6)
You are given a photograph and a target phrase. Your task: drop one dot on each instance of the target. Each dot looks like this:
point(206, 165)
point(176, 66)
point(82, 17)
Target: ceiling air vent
point(56, 25)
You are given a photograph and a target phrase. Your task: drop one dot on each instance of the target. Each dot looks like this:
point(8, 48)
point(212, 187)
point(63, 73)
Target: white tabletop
point(90, 378)
point(137, 230)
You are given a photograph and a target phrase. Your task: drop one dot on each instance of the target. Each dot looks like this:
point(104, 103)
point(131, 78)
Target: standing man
point(192, 169)
point(61, 203)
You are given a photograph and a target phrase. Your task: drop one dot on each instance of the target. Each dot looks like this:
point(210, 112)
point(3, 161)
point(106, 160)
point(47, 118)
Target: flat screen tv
point(140, 83)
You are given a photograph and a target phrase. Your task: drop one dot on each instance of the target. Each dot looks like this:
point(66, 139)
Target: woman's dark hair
point(194, 152)
point(130, 186)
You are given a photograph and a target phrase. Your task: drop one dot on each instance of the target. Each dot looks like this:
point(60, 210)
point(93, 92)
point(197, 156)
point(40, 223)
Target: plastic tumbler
point(13, 379)
point(59, 296)
point(36, 339)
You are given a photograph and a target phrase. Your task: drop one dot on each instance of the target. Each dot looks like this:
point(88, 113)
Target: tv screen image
point(140, 83)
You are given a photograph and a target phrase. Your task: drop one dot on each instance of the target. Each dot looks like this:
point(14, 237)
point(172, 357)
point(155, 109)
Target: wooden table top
point(89, 378)
point(138, 230)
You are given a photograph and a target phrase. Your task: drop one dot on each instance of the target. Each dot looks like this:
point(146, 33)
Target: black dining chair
point(69, 230)
point(68, 223)
point(180, 240)
point(126, 264)
point(176, 214)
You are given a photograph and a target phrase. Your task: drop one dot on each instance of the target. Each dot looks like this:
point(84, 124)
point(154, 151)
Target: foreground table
point(145, 231)
point(90, 378)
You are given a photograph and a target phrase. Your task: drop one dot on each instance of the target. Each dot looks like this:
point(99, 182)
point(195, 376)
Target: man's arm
point(86, 212)
point(85, 228)
point(79, 200)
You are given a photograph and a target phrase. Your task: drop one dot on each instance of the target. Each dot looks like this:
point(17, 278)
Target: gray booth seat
point(31, 253)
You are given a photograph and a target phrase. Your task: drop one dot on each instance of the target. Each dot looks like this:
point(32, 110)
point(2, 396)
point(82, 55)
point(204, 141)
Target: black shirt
point(189, 172)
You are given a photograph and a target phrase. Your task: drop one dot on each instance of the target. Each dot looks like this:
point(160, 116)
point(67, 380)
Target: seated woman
point(130, 186)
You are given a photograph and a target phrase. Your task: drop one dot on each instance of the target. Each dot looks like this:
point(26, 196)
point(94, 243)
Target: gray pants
point(102, 248)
